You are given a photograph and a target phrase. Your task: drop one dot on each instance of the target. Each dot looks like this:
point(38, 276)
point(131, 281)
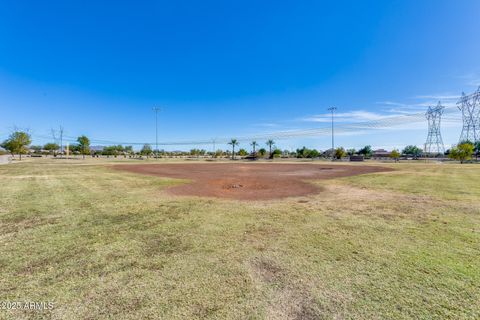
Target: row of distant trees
point(270, 143)
point(19, 143)
point(461, 152)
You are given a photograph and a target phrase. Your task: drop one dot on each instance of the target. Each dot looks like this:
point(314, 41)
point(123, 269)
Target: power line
point(345, 128)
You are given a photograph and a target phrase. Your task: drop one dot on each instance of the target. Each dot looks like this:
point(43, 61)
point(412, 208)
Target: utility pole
point(214, 151)
point(156, 109)
point(332, 109)
point(61, 140)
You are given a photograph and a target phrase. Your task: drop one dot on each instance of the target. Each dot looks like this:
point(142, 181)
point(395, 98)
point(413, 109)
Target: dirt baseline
point(248, 181)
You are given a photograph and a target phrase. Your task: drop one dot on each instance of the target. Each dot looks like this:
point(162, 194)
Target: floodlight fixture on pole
point(156, 109)
point(332, 110)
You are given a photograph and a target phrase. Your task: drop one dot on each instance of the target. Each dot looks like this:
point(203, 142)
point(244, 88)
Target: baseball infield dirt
point(248, 181)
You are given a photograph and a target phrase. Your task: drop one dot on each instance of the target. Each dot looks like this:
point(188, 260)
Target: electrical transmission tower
point(470, 107)
point(58, 140)
point(434, 143)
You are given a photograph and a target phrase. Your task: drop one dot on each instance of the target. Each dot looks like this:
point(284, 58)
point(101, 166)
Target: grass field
point(101, 243)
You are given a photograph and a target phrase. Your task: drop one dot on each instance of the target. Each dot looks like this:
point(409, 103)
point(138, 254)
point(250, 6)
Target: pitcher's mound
point(248, 181)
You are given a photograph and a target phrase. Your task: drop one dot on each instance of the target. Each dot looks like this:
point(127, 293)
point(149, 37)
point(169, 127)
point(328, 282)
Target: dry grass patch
point(106, 244)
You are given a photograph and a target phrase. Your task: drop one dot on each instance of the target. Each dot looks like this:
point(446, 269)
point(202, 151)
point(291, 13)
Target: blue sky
point(234, 68)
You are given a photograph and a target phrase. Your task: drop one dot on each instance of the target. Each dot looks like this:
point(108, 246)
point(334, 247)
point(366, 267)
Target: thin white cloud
point(393, 103)
point(474, 82)
point(421, 103)
point(471, 79)
point(266, 124)
point(439, 97)
point(351, 116)
point(406, 110)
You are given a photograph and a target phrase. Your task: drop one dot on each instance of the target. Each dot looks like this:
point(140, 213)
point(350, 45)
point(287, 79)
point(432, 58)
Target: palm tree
point(233, 143)
point(254, 144)
point(270, 144)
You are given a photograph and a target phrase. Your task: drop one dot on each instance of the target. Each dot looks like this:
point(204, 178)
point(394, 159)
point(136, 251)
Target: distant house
point(381, 154)
point(328, 153)
point(96, 148)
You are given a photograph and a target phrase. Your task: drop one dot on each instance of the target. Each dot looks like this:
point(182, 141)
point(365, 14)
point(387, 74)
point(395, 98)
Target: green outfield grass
point(101, 243)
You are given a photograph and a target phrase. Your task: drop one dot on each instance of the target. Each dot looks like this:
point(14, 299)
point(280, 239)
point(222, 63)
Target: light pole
point(214, 152)
point(156, 109)
point(332, 109)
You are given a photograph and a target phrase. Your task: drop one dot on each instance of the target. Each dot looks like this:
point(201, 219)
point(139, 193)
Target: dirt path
point(248, 181)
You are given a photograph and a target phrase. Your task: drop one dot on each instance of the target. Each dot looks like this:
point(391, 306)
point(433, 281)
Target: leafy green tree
point(366, 151)
point(395, 155)
point(262, 152)
point(74, 148)
point(116, 150)
point(302, 153)
point(146, 150)
point(270, 144)
point(462, 152)
point(17, 143)
point(218, 153)
point(340, 153)
point(109, 151)
point(276, 153)
point(233, 143)
point(84, 144)
point(119, 149)
point(129, 150)
point(195, 152)
point(313, 153)
point(477, 149)
point(242, 152)
point(307, 153)
point(52, 148)
point(351, 152)
point(413, 151)
point(254, 145)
